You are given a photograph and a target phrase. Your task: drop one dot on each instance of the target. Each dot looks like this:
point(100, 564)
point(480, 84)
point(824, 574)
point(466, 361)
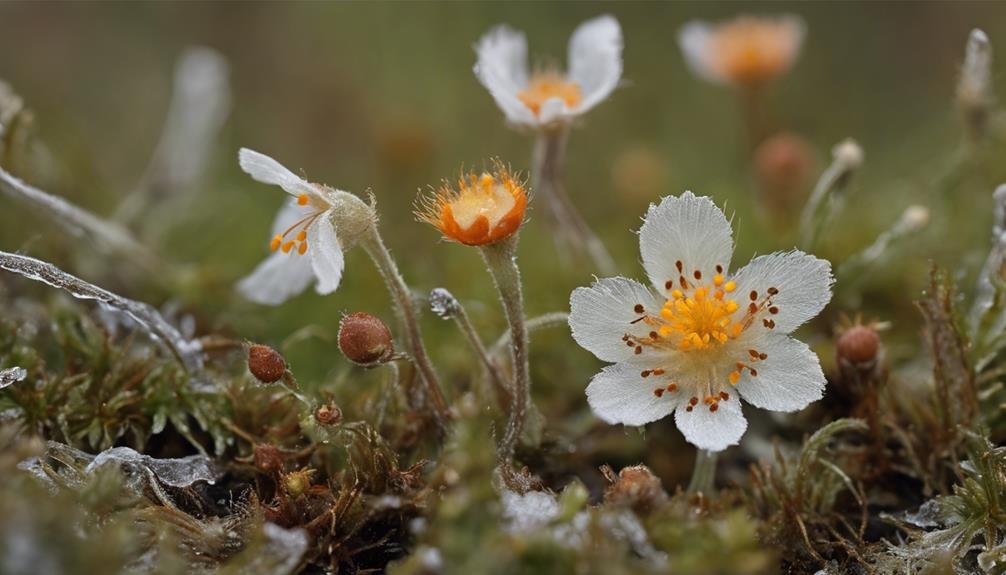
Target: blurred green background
point(381, 97)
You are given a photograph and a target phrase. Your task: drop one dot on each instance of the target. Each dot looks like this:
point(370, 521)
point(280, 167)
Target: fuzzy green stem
point(500, 385)
point(501, 258)
point(406, 311)
point(570, 227)
point(704, 473)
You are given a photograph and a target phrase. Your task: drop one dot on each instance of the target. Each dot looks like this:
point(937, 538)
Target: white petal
point(288, 215)
point(694, 40)
point(788, 380)
point(712, 430)
point(502, 68)
point(326, 254)
point(618, 394)
point(268, 171)
point(278, 278)
point(688, 229)
point(804, 284)
point(601, 314)
point(595, 59)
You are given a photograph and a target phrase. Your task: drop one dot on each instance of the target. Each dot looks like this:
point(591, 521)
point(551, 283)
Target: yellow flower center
point(703, 318)
point(484, 208)
point(547, 85)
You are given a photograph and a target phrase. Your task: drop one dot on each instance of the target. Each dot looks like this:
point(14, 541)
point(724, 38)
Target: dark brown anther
point(752, 307)
point(753, 295)
point(713, 407)
point(645, 373)
point(753, 372)
point(672, 387)
point(697, 274)
point(265, 363)
point(768, 323)
point(638, 308)
point(653, 335)
point(668, 284)
point(763, 356)
point(719, 269)
point(772, 291)
point(693, 401)
point(773, 310)
point(724, 395)
point(680, 266)
point(639, 350)
point(659, 392)
point(689, 409)
point(365, 340)
point(753, 353)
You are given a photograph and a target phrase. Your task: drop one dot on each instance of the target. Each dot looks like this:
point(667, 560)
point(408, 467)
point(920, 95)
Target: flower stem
point(501, 387)
point(570, 227)
point(704, 473)
point(406, 312)
point(501, 258)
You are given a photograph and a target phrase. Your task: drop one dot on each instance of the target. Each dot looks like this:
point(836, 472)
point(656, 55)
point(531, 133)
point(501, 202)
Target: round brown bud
point(268, 458)
point(636, 487)
point(859, 345)
point(784, 167)
point(364, 339)
point(265, 363)
point(328, 414)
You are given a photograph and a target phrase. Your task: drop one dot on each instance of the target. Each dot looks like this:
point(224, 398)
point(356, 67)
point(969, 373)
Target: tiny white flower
point(305, 246)
point(747, 50)
point(707, 338)
point(548, 97)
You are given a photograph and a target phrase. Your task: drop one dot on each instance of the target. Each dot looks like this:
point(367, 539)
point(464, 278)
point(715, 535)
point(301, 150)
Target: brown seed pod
point(635, 487)
point(784, 165)
point(858, 346)
point(297, 483)
point(265, 363)
point(268, 458)
point(365, 339)
point(328, 414)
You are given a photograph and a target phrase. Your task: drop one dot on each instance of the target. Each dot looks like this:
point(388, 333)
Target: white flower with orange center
point(548, 96)
point(746, 51)
point(304, 244)
point(706, 338)
point(483, 209)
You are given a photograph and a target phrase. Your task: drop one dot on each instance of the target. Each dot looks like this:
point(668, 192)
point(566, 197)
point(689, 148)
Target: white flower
point(549, 97)
point(304, 243)
point(746, 50)
point(706, 336)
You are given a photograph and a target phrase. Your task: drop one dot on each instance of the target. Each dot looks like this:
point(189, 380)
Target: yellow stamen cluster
point(298, 244)
point(547, 85)
point(702, 318)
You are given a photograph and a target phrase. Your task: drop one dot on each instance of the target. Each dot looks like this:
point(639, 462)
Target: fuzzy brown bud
point(268, 458)
point(635, 487)
point(784, 165)
point(365, 339)
point(858, 346)
point(328, 414)
point(265, 363)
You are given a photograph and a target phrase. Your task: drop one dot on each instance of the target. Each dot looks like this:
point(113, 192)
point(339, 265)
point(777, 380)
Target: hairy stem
point(501, 258)
point(406, 311)
point(704, 473)
point(570, 227)
point(500, 385)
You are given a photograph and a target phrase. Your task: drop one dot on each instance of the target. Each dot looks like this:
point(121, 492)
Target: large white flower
point(304, 244)
point(548, 96)
point(705, 338)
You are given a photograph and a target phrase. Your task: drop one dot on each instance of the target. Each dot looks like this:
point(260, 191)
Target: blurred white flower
point(745, 51)
point(706, 336)
point(304, 243)
point(547, 96)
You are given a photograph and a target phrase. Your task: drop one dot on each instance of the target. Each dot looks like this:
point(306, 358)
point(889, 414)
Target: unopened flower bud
point(268, 458)
point(298, 482)
point(858, 346)
point(635, 487)
point(848, 153)
point(265, 363)
point(915, 218)
point(974, 94)
point(784, 168)
point(328, 414)
point(365, 339)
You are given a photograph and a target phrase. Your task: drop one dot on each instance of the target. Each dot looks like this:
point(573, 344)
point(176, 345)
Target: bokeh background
point(381, 97)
